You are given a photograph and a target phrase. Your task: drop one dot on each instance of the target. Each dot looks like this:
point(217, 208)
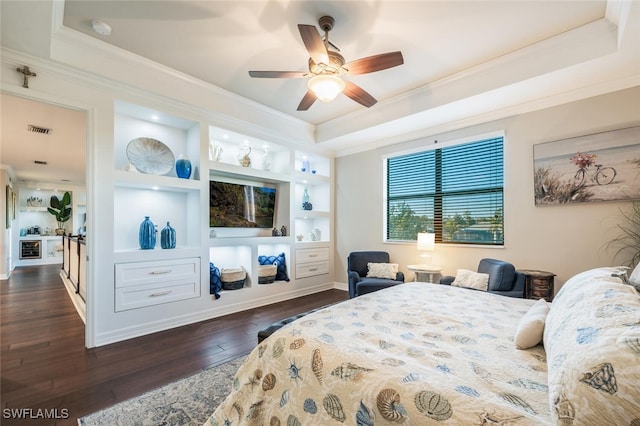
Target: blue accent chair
point(357, 270)
point(503, 278)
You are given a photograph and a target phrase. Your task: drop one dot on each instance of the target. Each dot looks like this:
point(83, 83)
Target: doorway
point(43, 147)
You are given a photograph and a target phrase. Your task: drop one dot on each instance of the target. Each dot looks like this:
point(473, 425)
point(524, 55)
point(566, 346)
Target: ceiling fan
point(327, 67)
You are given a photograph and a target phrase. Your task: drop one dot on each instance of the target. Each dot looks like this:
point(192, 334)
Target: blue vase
point(183, 167)
point(306, 204)
point(168, 237)
point(147, 234)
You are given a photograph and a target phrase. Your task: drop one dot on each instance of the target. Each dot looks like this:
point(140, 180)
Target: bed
point(422, 353)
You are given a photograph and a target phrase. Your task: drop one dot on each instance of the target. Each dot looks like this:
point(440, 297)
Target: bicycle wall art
point(598, 167)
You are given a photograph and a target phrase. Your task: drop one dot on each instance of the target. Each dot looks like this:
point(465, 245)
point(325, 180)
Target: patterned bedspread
point(415, 354)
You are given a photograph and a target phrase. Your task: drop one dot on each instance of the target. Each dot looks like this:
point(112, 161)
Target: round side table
point(425, 269)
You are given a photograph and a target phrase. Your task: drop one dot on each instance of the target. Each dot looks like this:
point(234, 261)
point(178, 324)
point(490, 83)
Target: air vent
point(43, 163)
point(38, 129)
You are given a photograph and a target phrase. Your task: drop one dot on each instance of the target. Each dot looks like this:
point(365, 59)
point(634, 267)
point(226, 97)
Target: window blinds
point(455, 192)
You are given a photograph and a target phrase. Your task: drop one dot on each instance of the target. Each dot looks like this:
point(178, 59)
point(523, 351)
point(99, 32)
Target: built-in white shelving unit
point(220, 155)
point(279, 166)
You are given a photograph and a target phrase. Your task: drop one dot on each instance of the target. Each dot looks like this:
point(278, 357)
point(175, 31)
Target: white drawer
point(137, 273)
point(312, 268)
point(312, 255)
point(154, 294)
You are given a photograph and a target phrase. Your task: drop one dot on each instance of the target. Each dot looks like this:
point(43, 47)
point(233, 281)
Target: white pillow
point(531, 326)
point(471, 279)
point(634, 278)
point(382, 270)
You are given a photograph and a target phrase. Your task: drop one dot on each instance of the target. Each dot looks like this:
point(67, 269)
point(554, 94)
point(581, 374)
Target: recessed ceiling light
point(101, 27)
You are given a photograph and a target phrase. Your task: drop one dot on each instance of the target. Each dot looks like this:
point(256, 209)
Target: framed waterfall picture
point(599, 167)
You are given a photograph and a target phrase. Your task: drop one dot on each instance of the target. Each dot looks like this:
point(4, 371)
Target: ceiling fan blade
point(358, 94)
point(314, 44)
point(308, 100)
point(375, 63)
point(277, 74)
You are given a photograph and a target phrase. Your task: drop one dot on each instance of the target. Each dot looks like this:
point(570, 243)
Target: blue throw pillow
point(215, 283)
point(280, 262)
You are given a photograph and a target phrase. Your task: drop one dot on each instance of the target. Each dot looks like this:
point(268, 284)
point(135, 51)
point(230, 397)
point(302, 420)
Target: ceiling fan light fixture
point(326, 86)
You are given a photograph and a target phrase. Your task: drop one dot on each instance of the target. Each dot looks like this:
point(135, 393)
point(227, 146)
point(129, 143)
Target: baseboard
point(203, 315)
point(341, 286)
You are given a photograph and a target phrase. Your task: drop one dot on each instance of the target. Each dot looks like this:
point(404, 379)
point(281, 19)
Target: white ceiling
point(220, 41)
point(466, 62)
point(63, 149)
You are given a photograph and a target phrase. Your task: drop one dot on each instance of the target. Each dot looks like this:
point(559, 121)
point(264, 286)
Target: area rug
point(189, 401)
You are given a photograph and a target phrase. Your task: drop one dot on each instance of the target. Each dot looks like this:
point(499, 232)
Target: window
point(455, 192)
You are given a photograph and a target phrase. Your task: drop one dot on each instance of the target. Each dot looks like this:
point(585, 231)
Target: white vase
point(215, 152)
point(266, 159)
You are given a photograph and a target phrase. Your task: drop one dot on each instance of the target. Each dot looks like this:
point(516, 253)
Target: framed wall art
point(599, 167)
point(15, 203)
point(10, 199)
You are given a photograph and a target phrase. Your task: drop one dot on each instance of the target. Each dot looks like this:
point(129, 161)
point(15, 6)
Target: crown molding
point(585, 43)
point(376, 140)
point(281, 127)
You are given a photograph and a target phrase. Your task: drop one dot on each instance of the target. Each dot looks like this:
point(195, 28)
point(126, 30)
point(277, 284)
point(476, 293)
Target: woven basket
point(233, 278)
point(267, 274)
point(233, 285)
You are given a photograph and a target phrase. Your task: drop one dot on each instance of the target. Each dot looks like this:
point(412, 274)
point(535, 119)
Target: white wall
point(563, 239)
point(5, 245)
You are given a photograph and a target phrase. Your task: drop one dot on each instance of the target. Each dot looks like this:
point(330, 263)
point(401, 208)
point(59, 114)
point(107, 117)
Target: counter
point(35, 249)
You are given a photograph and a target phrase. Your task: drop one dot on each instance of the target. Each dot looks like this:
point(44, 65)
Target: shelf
point(226, 241)
point(146, 181)
point(226, 147)
point(311, 244)
point(217, 168)
point(138, 255)
point(33, 209)
point(180, 135)
point(40, 237)
point(315, 162)
point(312, 214)
point(311, 179)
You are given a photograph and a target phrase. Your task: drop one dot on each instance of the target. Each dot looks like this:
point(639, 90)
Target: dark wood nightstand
point(538, 284)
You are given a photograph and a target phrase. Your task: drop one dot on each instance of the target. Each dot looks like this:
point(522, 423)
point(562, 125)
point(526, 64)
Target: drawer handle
point(166, 271)
point(313, 269)
point(313, 255)
point(160, 293)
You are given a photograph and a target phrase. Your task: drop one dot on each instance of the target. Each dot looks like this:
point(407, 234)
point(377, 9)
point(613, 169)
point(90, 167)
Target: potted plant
point(60, 208)
point(628, 240)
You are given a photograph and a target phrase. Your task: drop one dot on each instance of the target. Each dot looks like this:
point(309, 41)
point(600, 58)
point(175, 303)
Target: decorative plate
point(150, 156)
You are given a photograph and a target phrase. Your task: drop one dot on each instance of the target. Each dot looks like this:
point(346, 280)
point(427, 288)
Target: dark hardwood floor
point(45, 364)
